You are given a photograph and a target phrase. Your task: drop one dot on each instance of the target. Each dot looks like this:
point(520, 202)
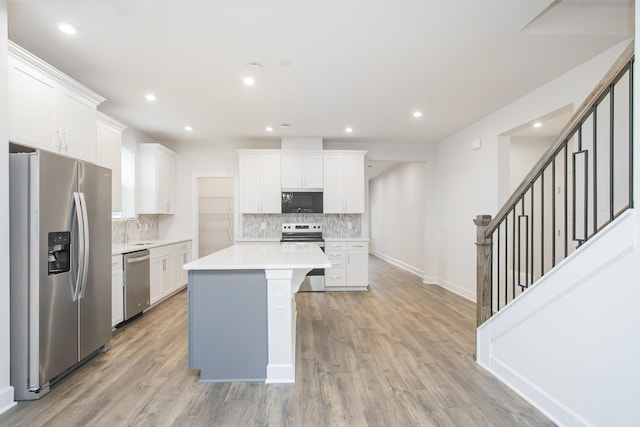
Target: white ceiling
point(326, 65)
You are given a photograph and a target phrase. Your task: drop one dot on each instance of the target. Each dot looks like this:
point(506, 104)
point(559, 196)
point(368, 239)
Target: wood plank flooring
point(400, 354)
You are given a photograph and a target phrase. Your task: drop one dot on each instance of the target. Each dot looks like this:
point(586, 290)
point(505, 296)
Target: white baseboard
point(402, 265)
point(451, 287)
point(6, 399)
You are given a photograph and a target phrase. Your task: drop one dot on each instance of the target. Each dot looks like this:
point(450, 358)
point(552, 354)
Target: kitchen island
point(242, 313)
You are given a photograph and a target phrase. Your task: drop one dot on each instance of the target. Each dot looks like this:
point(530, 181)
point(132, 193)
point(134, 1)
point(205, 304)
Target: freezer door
point(94, 182)
point(53, 181)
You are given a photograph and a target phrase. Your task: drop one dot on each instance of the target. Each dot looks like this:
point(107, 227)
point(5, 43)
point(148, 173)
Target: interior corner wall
point(468, 179)
point(6, 391)
point(397, 210)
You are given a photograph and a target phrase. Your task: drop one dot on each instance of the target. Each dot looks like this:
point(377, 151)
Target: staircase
point(558, 279)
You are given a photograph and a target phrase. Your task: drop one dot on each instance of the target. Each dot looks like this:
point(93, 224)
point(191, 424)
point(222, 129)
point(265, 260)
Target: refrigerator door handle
point(81, 228)
point(86, 244)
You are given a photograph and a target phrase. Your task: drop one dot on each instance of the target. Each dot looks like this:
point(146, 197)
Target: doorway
point(214, 214)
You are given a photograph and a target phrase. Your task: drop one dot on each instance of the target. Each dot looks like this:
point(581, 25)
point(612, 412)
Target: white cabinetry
point(48, 109)
point(259, 182)
point(166, 273)
point(344, 182)
point(302, 171)
point(336, 276)
point(357, 264)
point(155, 179)
point(117, 290)
point(109, 138)
point(349, 265)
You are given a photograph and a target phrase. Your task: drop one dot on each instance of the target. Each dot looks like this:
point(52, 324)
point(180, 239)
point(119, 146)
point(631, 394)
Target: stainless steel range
point(306, 233)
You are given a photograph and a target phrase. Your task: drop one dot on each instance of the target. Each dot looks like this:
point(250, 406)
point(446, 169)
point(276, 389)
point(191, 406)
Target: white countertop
point(147, 244)
point(262, 257)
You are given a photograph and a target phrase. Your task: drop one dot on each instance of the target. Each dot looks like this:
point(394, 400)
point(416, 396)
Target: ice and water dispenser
point(59, 253)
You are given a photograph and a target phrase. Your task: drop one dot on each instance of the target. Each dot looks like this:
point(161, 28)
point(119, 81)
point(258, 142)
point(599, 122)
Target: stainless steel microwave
point(301, 202)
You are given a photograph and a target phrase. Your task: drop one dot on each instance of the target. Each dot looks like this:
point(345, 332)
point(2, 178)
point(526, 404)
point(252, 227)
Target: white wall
point(570, 344)
point(524, 153)
point(467, 180)
point(397, 210)
point(6, 391)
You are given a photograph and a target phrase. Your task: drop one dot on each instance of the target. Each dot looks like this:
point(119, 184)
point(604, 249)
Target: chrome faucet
point(126, 233)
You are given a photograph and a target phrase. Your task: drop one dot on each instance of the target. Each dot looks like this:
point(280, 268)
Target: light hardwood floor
point(400, 354)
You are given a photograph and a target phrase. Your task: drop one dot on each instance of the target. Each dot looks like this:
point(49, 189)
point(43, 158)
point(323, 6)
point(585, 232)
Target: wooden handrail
point(584, 110)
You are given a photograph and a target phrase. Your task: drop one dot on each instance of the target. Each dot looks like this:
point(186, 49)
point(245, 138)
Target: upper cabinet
point(344, 182)
point(109, 142)
point(155, 179)
point(259, 181)
point(302, 171)
point(48, 109)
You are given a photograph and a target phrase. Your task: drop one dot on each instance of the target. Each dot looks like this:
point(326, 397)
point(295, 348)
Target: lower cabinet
point(349, 265)
point(166, 274)
point(117, 290)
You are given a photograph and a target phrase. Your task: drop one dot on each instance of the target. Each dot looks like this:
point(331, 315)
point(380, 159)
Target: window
point(128, 183)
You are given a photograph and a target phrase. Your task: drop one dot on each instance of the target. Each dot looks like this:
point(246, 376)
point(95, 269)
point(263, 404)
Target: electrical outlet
point(263, 226)
point(349, 226)
point(279, 305)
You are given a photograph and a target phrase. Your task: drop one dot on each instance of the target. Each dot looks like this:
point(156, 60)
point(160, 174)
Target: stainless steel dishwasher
point(136, 283)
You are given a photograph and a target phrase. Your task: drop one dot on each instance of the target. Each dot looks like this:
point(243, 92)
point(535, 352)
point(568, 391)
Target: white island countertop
point(262, 257)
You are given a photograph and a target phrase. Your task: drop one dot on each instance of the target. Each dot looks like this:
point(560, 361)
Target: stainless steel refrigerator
point(60, 240)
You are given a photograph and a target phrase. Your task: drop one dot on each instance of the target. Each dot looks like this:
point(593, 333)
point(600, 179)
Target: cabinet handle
point(58, 139)
point(66, 141)
point(164, 265)
point(336, 277)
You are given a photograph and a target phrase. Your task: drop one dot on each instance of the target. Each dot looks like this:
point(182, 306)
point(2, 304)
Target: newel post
point(484, 252)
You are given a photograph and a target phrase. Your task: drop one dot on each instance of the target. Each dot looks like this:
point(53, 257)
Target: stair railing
point(580, 185)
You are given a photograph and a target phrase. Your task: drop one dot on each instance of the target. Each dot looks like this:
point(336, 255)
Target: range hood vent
point(301, 144)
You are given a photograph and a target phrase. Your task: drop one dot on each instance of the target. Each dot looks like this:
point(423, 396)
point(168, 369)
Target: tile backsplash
point(268, 226)
point(128, 230)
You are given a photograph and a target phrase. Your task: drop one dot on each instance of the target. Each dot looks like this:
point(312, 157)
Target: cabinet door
point(117, 291)
point(312, 171)
point(156, 271)
point(75, 119)
point(357, 268)
point(333, 194)
point(291, 171)
point(353, 184)
point(31, 107)
point(260, 190)
point(249, 183)
point(166, 182)
point(108, 155)
point(271, 190)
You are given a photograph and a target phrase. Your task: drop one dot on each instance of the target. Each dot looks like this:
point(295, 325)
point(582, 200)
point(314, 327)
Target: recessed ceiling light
point(537, 125)
point(348, 130)
point(188, 128)
point(150, 97)
point(67, 28)
point(249, 81)
point(269, 129)
point(417, 114)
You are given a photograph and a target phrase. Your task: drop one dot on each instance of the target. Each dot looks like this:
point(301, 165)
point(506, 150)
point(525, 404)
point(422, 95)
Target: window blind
point(128, 182)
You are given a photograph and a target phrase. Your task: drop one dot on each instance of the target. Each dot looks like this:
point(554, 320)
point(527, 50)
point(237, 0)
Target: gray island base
point(242, 314)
